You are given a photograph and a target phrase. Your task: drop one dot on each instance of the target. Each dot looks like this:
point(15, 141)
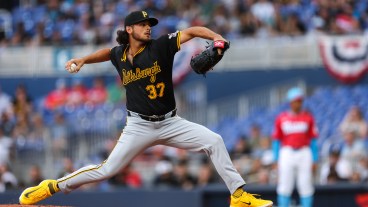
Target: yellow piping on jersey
point(178, 40)
point(125, 56)
point(94, 168)
point(140, 50)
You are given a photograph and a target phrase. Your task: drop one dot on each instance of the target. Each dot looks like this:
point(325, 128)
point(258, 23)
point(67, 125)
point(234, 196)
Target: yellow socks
point(238, 192)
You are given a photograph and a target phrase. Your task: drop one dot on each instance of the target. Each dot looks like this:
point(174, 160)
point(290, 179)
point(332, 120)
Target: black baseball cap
point(139, 16)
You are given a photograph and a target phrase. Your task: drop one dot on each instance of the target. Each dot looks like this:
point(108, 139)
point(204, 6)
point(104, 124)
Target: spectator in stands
point(5, 103)
point(220, 20)
point(261, 167)
point(345, 21)
point(106, 21)
point(6, 148)
point(240, 155)
point(116, 92)
point(292, 26)
point(77, 94)
point(248, 24)
point(252, 173)
point(87, 34)
point(20, 37)
point(8, 178)
point(241, 148)
point(7, 124)
point(335, 169)
point(39, 135)
point(355, 123)
point(59, 135)
point(127, 177)
point(34, 175)
point(176, 154)
point(320, 20)
point(97, 95)
point(353, 149)
point(264, 152)
point(255, 136)
point(164, 175)
point(205, 174)
point(362, 169)
point(22, 102)
point(58, 96)
point(263, 176)
point(21, 131)
point(265, 13)
point(39, 37)
point(184, 179)
point(68, 167)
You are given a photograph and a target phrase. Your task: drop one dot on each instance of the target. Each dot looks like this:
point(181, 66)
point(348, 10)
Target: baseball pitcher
point(295, 134)
point(145, 68)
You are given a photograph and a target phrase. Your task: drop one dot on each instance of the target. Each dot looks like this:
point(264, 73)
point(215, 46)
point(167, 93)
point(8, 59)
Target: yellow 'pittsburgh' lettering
point(131, 76)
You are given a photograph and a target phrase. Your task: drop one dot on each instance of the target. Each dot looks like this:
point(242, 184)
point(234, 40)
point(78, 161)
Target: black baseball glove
point(207, 59)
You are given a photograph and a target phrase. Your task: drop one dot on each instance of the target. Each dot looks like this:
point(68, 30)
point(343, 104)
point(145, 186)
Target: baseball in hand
point(73, 68)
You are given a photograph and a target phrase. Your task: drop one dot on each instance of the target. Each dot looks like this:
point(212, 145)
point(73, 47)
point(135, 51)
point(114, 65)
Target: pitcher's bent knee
point(214, 141)
point(107, 171)
point(218, 139)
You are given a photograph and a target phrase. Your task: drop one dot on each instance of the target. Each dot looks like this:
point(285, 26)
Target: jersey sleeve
point(114, 56)
point(277, 131)
point(170, 43)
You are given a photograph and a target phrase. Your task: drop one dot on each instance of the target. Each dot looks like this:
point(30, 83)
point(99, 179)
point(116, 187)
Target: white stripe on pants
point(140, 134)
point(295, 164)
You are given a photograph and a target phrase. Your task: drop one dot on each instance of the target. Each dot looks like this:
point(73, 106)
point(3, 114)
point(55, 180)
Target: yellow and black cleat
point(249, 200)
point(38, 193)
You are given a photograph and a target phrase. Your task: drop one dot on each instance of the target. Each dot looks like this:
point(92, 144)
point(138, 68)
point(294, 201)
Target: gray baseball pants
point(140, 134)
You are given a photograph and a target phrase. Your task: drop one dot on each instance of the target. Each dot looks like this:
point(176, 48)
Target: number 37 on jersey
point(155, 91)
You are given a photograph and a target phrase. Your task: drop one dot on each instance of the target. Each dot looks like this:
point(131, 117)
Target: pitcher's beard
point(140, 39)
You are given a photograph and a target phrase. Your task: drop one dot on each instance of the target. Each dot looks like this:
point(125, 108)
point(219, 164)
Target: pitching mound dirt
point(17, 205)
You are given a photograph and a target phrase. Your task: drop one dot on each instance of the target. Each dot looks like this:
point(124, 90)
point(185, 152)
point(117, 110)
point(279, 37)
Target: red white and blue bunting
point(345, 57)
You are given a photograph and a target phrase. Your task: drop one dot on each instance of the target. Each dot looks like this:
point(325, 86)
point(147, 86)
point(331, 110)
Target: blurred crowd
point(33, 129)
point(70, 22)
point(24, 130)
point(31, 122)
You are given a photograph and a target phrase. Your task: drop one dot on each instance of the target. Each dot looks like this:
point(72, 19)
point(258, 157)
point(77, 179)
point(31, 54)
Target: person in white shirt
point(5, 103)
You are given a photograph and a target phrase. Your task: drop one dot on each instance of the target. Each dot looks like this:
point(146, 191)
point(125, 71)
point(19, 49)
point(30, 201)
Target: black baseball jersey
point(148, 81)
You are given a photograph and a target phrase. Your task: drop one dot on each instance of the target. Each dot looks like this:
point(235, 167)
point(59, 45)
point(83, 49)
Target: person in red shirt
point(127, 177)
point(77, 94)
point(57, 97)
point(97, 95)
point(295, 150)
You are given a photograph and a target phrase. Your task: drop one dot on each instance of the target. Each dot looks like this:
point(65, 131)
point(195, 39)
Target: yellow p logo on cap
point(144, 14)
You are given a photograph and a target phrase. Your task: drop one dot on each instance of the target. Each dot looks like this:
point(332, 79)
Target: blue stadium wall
point(219, 84)
point(215, 196)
